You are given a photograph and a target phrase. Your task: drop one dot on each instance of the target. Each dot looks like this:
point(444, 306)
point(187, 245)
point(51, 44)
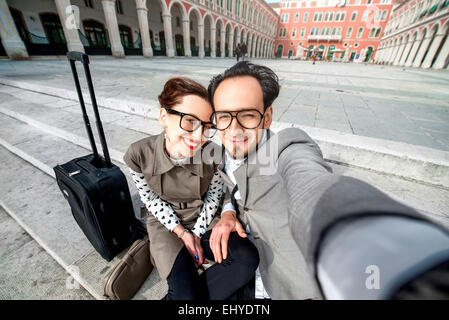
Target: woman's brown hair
point(176, 88)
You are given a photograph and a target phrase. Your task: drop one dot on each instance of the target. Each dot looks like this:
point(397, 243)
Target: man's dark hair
point(268, 80)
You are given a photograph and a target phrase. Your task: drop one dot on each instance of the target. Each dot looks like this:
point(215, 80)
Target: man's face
point(237, 94)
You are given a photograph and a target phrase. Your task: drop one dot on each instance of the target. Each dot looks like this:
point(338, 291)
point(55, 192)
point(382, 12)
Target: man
point(281, 191)
point(244, 50)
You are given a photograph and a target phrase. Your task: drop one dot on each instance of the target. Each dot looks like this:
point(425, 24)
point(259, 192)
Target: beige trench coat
point(181, 186)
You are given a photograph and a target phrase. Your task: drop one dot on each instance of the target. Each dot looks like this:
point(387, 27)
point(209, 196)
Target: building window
point(89, 3)
point(320, 17)
point(303, 32)
point(365, 15)
point(372, 33)
point(323, 31)
point(354, 16)
point(337, 17)
point(342, 16)
point(370, 1)
point(296, 17)
point(357, 2)
point(349, 33)
point(378, 32)
point(339, 31)
point(315, 16)
point(327, 31)
point(118, 6)
point(306, 16)
point(331, 16)
point(359, 34)
point(326, 17)
point(356, 45)
point(333, 31)
point(294, 32)
point(384, 15)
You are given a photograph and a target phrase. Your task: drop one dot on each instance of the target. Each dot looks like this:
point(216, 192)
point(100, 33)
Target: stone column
point(142, 16)
point(222, 42)
point(422, 51)
point(112, 26)
point(386, 54)
point(400, 52)
point(442, 56)
point(186, 37)
point(406, 52)
point(239, 35)
point(13, 44)
point(201, 39)
point(257, 55)
point(231, 44)
point(169, 48)
point(413, 52)
point(253, 51)
point(248, 45)
point(432, 50)
point(70, 25)
point(213, 42)
point(393, 54)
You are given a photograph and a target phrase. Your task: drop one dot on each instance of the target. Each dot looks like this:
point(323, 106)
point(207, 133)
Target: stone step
point(49, 133)
point(28, 272)
point(394, 158)
point(123, 129)
point(27, 169)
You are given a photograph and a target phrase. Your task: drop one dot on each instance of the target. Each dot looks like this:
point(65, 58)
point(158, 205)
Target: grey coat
point(264, 180)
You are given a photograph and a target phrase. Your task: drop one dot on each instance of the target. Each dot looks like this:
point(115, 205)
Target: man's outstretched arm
point(342, 219)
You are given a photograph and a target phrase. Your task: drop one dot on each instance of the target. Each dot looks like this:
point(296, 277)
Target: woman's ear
point(163, 118)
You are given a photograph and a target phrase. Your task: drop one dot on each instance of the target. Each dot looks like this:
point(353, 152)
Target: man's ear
point(268, 118)
point(163, 118)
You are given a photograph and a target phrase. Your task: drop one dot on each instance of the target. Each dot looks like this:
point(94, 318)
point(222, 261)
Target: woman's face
point(179, 142)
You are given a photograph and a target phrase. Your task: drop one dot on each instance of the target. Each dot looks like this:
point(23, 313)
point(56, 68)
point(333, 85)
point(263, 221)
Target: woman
point(183, 195)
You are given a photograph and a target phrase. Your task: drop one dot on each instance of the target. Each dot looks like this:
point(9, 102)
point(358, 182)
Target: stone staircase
point(39, 129)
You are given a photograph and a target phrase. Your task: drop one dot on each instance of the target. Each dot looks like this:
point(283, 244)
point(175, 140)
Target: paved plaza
point(400, 104)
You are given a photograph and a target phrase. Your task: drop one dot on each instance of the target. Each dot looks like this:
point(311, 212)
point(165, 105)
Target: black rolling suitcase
point(96, 189)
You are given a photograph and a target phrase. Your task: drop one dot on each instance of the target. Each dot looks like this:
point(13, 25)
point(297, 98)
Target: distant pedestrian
point(238, 51)
point(314, 58)
point(244, 51)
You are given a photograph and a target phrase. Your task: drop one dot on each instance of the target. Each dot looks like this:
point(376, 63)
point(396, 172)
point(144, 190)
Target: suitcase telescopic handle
point(73, 56)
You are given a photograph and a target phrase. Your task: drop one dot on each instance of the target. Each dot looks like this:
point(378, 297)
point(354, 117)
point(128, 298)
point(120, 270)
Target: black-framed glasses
point(190, 123)
point(248, 119)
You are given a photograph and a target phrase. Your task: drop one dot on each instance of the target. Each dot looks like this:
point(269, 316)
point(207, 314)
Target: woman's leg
point(183, 280)
point(224, 279)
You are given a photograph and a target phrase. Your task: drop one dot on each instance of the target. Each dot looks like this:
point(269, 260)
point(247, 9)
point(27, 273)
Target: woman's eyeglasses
point(248, 119)
point(191, 123)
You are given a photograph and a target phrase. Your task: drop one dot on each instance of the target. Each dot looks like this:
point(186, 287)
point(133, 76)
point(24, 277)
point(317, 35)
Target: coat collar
point(163, 164)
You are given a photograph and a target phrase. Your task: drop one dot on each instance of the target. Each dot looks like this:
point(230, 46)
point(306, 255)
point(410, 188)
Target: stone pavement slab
point(28, 272)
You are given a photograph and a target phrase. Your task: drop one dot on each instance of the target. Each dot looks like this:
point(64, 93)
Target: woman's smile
point(190, 143)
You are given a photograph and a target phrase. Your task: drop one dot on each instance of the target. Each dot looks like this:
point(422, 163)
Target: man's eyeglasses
point(190, 123)
point(248, 119)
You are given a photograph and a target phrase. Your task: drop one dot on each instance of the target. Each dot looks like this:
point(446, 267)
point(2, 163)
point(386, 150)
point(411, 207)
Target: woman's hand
point(200, 251)
point(192, 245)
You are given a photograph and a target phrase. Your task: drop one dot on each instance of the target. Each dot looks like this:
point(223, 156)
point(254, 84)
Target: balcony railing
point(324, 38)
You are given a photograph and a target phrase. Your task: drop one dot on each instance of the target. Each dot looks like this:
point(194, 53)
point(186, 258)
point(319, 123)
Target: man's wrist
point(229, 214)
